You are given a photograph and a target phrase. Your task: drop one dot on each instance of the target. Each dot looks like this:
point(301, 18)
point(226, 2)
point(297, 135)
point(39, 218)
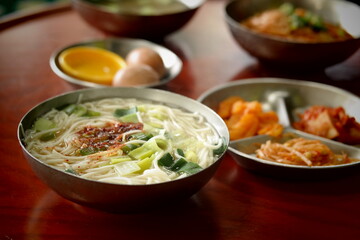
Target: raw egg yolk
point(91, 64)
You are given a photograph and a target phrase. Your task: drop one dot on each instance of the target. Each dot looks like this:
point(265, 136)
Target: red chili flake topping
point(105, 137)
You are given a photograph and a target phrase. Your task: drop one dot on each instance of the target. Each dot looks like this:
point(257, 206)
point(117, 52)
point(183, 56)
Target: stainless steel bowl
point(283, 53)
point(300, 95)
point(118, 197)
point(121, 46)
point(108, 17)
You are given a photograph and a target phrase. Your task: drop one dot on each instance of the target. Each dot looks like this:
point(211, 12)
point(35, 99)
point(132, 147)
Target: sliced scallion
point(190, 168)
point(166, 161)
point(42, 124)
point(124, 111)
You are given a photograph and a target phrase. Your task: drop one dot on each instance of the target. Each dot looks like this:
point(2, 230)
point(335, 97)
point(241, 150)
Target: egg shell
point(148, 56)
point(136, 75)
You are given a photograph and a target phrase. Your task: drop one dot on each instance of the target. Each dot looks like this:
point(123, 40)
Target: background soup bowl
point(127, 23)
point(284, 53)
point(121, 197)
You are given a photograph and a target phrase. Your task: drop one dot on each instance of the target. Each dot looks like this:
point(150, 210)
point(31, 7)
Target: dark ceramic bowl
point(121, 197)
point(108, 16)
point(285, 53)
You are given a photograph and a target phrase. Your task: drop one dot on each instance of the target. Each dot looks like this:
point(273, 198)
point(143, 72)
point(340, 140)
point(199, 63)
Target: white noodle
point(180, 129)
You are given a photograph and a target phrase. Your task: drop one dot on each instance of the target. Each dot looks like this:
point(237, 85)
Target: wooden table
point(235, 204)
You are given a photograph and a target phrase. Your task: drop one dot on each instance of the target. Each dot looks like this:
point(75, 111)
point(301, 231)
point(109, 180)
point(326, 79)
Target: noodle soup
point(125, 141)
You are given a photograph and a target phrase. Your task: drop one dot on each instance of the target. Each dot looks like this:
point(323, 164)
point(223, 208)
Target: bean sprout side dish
point(300, 151)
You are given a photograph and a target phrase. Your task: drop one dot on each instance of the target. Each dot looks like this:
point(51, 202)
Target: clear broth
point(142, 7)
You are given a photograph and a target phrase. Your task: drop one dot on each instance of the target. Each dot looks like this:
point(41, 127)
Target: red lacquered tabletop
point(235, 204)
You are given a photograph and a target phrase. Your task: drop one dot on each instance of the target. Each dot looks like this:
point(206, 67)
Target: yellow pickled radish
point(91, 64)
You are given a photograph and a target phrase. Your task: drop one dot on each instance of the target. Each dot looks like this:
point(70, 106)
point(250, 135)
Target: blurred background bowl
point(285, 53)
point(120, 197)
point(153, 19)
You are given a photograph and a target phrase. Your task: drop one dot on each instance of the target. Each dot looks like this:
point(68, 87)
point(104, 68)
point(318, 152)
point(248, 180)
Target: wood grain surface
point(235, 204)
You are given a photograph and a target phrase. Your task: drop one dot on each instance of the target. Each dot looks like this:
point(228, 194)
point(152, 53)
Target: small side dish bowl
point(137, 19)
point(116, 197)
point(282, 52)
point(120, 47)
point(300, 95)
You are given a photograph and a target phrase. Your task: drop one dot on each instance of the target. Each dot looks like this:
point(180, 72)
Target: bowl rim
point(289, 81)
point(169, 76)
point(153, 91)
point(102, 9)
point(237, 25)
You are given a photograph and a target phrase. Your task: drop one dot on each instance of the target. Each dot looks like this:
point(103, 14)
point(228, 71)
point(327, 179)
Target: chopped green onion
point(178, 165)
point(80, 111)
point(316, 23)
point(119, 159)
point(297, 22)
point(89, 150)
point(287, 8)
point(76, 109)
point(141, 108)
point(69, 109)
point(48, 136)
point(91, 113)
point(166, 161)
point(128, 147)
point(133, 118)
point(181, 165)
point(191, 156)
point(159, 114)
point(309, 19)
point(190, 168)
point(155, 125)
point(221, 149)
point(141, 152)
point(180, 152)
point(153, 145)
point(72, 171)
point(161, 143)
point(42, 124)
point(145, 163)
point(142, 136)
point(125, 168)
point(125, 111)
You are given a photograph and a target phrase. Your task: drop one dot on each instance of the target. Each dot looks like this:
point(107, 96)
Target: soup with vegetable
point(296, 24)
point(125, 141)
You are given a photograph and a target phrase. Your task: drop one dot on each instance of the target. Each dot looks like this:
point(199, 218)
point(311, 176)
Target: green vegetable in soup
point(80, 111)
point(42, 124)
